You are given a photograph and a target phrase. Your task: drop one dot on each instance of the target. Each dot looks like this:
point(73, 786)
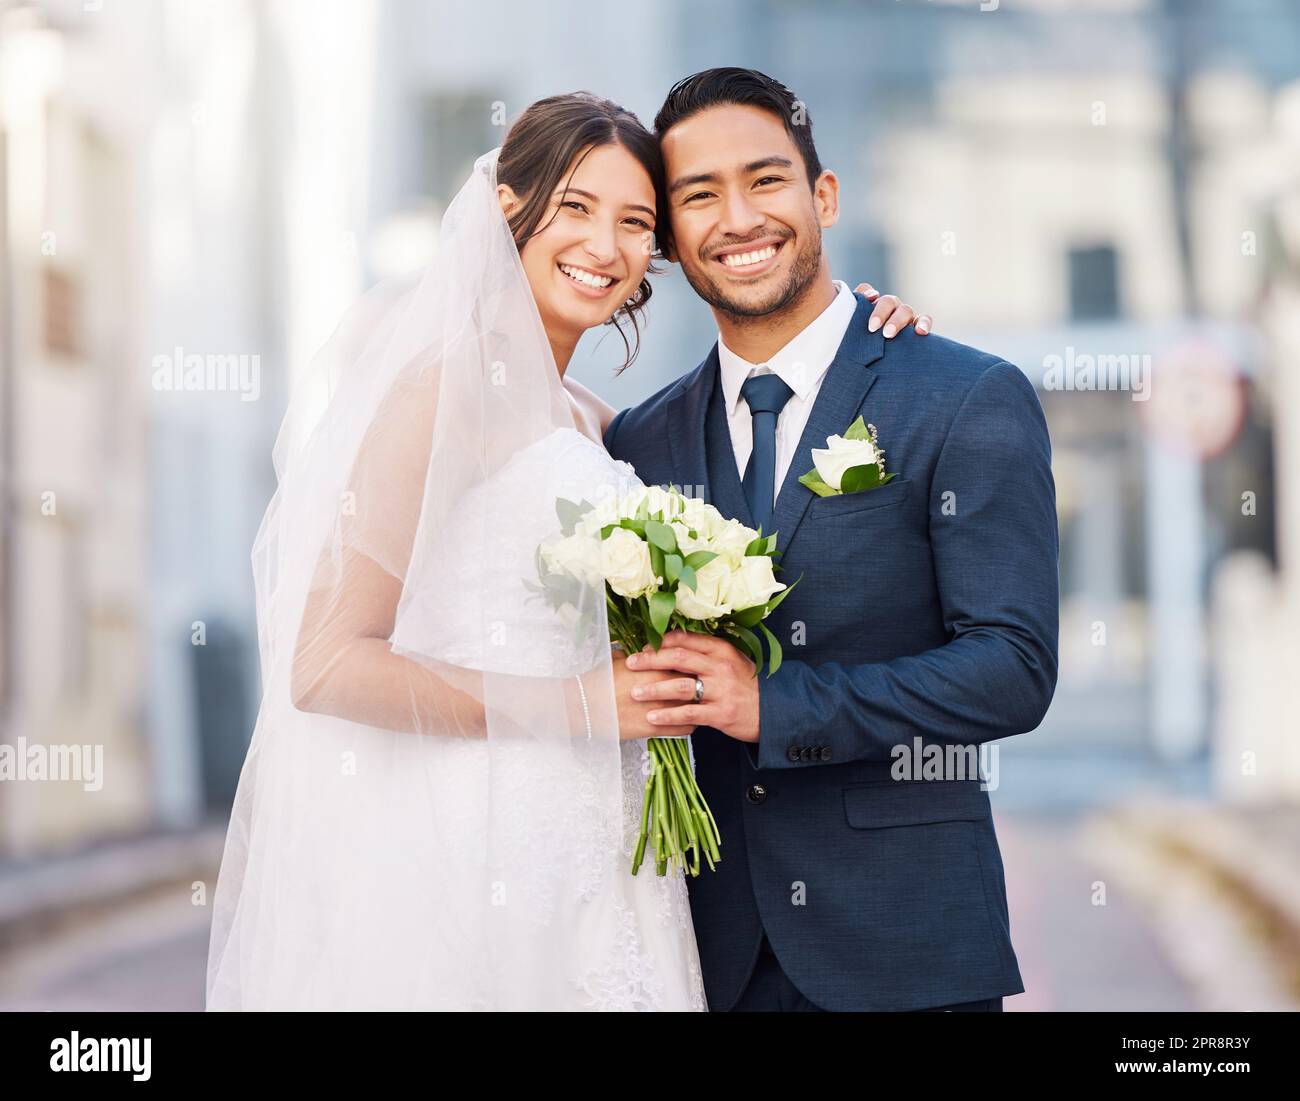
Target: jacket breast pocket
point(914, 803)
point(844, 504)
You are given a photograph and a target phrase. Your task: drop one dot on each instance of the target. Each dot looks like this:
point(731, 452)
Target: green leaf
point(662, 605)
point(774, 649)
point(750, 616)
point(872, 480)
point(661, 536)
point(656, 560)
point(750, 642)
point(757, 546)
point(689, 579)
point(858, 430)
point(859, 478)
point(569, 513)
point(813, 481)
point(672, 568)
point(699, 558)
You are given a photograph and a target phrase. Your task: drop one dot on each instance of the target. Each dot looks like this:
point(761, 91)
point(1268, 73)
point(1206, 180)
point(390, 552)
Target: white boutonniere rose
point(850, 463)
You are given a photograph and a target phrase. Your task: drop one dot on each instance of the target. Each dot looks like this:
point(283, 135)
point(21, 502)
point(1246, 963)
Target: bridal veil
point(432, 792)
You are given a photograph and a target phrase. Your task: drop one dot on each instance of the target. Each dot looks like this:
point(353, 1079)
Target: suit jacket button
point(808, 753)
point(793, 752)
point(756, 794)
point(826, 753)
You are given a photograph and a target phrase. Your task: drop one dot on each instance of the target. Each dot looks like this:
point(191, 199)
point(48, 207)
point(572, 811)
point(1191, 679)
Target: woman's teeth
point(586, 278)
point(746, 259)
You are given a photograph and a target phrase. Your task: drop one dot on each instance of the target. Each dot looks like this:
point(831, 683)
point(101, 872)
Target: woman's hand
point(632, 712)
point(892, 313)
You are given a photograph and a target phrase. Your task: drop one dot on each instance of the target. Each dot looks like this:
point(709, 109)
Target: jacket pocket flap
point(914, 803)
point(891, 493)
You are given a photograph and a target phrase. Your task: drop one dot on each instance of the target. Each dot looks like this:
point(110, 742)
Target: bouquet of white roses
point(668, 561)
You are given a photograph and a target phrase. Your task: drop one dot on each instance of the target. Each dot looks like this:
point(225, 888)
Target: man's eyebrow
point(773, 161)
point(595, 199)
point(687, 181)
point(769, 162)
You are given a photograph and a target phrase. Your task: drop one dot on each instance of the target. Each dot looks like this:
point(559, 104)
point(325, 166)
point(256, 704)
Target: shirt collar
point(814, 346)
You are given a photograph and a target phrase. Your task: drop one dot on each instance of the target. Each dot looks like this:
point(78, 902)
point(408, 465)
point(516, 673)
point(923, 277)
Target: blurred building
point(164, 204)
point(74, 445)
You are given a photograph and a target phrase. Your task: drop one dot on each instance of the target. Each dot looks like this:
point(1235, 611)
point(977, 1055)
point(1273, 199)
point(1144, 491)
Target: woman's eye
point(640, 224)
point(573, 204)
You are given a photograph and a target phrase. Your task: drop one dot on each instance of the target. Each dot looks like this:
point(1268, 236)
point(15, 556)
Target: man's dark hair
point(747, 87)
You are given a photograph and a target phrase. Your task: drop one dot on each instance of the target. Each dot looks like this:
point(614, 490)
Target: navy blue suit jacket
point(927, 609)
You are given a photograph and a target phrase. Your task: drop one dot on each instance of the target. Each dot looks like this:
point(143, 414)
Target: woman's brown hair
point(553, 134)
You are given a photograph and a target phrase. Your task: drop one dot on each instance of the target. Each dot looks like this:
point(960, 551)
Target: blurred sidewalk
point(123, 926)
point(1158, 906)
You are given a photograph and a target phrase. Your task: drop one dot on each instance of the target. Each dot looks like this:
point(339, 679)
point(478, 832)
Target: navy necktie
point(766, 396)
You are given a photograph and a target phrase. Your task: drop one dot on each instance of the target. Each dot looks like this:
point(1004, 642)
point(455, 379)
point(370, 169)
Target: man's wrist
point(781, 741)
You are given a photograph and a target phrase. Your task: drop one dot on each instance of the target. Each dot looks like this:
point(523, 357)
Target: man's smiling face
point(746, 225)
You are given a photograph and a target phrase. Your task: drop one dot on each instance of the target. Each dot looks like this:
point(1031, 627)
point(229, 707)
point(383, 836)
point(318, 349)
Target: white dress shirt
point(802, 364)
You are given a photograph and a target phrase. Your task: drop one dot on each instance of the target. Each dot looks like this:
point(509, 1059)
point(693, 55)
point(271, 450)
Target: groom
point(851, 878)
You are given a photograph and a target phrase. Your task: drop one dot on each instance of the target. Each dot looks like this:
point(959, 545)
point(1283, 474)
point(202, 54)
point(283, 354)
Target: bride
point(443, 789)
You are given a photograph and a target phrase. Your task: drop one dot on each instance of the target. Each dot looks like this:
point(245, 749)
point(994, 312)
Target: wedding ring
point(699, 690)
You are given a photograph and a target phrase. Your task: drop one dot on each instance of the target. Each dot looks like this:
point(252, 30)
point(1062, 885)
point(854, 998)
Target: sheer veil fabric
point(435, 811)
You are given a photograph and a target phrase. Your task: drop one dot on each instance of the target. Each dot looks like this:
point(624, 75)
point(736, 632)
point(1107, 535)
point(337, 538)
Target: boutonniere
point(851, 463)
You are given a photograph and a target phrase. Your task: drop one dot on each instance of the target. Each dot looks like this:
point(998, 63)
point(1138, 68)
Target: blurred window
point(1094, 283)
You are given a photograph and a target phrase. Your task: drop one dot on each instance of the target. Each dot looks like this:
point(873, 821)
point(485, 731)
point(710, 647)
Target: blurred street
point(1131, 953)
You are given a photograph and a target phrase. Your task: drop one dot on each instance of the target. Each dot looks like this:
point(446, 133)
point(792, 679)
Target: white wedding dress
point(637, 943)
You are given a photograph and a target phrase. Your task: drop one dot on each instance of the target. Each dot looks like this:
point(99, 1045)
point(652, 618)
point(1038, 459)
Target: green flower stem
point(696, 798)
point(676, 810)
point(676, 821)
point(645, 819)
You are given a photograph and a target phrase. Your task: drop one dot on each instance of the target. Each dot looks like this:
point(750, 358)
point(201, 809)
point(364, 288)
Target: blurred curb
point(1246, 858)
point(1236, 846)
point(46, 896)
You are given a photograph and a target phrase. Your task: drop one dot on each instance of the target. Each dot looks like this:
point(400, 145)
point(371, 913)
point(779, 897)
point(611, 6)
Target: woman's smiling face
point(595, 242)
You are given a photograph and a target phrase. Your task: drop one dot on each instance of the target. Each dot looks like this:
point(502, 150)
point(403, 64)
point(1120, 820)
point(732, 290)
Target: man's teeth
point(585, 277)
point(744, 259)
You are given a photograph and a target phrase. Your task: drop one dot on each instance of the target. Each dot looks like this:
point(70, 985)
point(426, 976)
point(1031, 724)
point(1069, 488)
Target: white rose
point(659, 500)
point(627, 564)
point(706, 600)
point(701, 517)
point(730, 540)
point(577, 555)
point(606, 511)
point(841, 454)
point(686, 543)
point(753, 583)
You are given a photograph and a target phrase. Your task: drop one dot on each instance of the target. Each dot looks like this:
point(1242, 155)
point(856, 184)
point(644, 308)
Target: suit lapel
point(843, 390)
point(687, 410)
